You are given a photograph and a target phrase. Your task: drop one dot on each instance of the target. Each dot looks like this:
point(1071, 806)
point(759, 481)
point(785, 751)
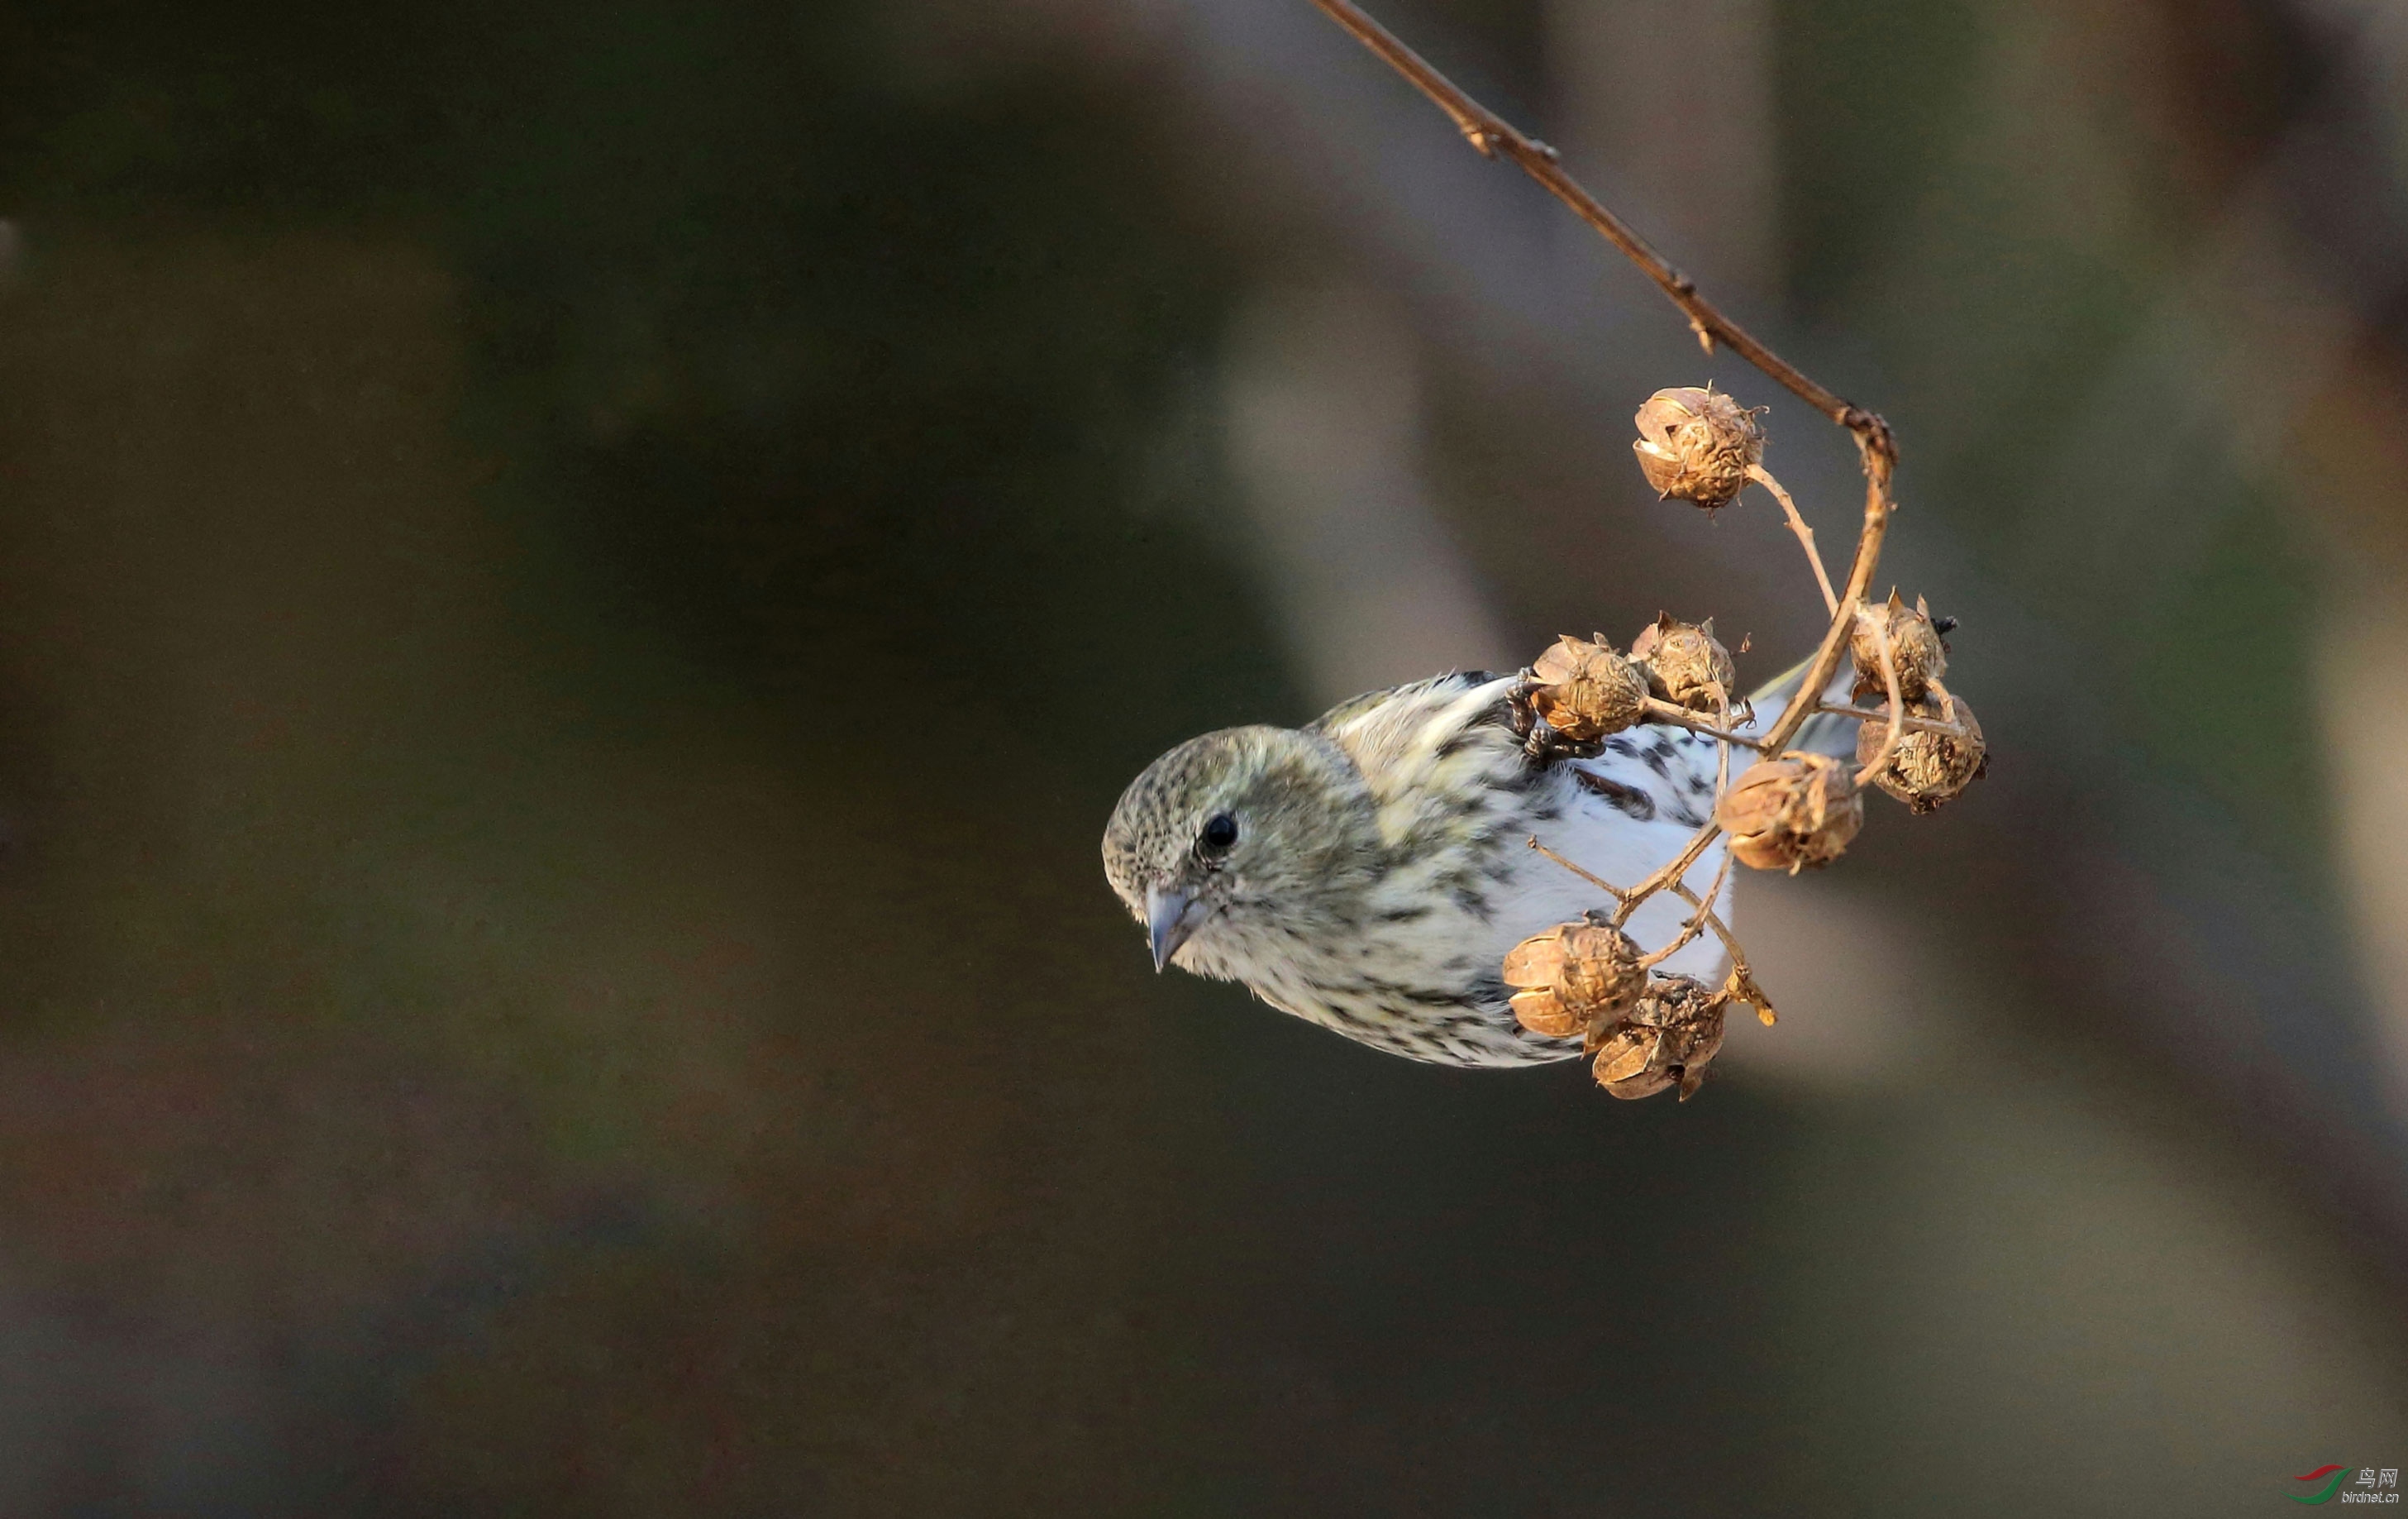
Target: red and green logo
point(2329, 1476)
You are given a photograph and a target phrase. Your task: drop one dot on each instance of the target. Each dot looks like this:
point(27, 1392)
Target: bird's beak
point(1170, 916)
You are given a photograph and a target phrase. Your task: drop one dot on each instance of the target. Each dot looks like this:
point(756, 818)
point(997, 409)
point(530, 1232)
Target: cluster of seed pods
point(1916, 741)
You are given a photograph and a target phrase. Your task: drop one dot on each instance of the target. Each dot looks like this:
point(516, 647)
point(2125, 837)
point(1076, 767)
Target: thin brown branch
point(1492, 135)
point(1722, 752)
point(1671, 873)
point(1697, 921)
point(1742, 979)
point(1722, 931)
point(1912, 722)
point(1590, 877)
point(1680, 864)
point(1722, 872)
point(1705, 914)
point(1876, 451)
point(1948, 706)
point(1762, 476)
point(1660, 711)
point(1826, 662)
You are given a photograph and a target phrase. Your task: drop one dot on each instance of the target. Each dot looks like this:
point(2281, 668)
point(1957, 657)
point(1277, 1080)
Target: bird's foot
point(1540, 740)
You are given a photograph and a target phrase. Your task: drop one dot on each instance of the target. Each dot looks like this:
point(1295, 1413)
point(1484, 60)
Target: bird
point(1368, 871)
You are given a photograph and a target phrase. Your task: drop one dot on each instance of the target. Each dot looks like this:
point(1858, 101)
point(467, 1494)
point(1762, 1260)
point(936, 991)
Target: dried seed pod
point(1927, 770)
point(1914, 648)
point(1684, 663)
point(1696, 445)
point(1674, 1031)
point(1625, 1063)
point(1586, 691)
point(1573, 978)
point(1601, 974)
point(1789, 813)
point(1544, 1013)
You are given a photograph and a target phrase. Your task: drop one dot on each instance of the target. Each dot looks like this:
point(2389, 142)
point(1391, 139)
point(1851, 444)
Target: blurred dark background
point(577, 583)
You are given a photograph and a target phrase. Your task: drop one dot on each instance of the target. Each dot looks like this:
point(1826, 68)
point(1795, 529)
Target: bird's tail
point(1826, 732)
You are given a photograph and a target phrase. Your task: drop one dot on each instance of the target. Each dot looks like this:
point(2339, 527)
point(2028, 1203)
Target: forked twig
point(1704, 918)
point(1742, 978)
point(1697, 921)
point(1672, 871)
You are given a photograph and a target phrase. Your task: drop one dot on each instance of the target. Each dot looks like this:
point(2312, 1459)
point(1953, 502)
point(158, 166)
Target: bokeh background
point(577, 582)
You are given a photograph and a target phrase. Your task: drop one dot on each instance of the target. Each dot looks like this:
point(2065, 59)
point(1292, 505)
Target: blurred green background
point(577, 583)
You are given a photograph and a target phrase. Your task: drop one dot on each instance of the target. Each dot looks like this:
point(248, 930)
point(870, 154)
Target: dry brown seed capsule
point(1927, 770)
point(1674, 1031)
point(1684, 663)
point(1696, 445)
point(1626, 1063)
point(1573, 977)
point(1586, 691)
point(1914, 648)
point(1531, 967)
point(1789, 813)
point(1691, 1018)
point(1544, 1013)
point(1601, 974)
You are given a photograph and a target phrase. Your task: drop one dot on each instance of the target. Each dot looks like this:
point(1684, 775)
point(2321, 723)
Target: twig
point(1714, 921)
point(1670, 873)
point(1948, 706)
point(1876, 452)
point(1762, 476)
point(1721, 751)
point(1742, 979)
point(1660, 711)
point(1705, 911)
point(1826, 662)
point(1678, 866)
point(1722, 872)
point(1590, 877)
point(1697, 921)
point(1912, 722)
point(1896, 705)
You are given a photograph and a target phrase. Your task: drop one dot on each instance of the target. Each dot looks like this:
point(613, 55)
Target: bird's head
point(1236, 840)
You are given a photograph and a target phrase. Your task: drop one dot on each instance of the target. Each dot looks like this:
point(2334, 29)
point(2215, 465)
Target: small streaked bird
point(1368, 871)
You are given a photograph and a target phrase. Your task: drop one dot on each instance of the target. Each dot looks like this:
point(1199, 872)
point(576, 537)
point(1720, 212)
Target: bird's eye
point(1218, 836)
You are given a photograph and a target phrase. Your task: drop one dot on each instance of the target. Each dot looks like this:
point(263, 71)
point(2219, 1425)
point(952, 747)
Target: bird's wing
point(1381, 715)
point(1422, 749)
point(1347, 714)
